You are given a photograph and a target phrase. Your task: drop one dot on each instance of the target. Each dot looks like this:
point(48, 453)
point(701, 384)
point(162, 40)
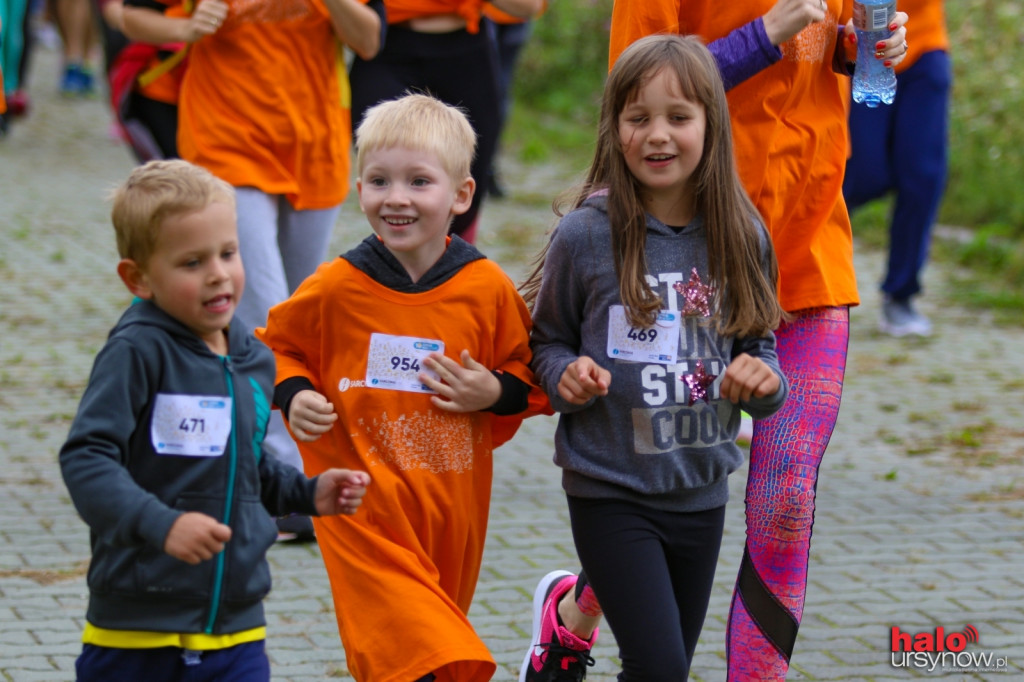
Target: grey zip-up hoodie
point(130, 494)
point(652, 439)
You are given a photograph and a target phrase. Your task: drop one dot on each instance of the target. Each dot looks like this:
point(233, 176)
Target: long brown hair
point(746, 296)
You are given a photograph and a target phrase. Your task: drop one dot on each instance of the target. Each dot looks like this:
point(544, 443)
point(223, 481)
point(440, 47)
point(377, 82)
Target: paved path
point(921, 498)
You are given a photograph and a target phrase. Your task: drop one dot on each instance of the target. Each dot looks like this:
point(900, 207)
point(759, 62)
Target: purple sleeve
point(839, 63)
point(744, 52)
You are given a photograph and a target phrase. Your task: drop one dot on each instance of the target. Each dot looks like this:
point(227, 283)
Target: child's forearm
point(515, 395)
point(288, 389)
point(356, 25)
point(150, 26)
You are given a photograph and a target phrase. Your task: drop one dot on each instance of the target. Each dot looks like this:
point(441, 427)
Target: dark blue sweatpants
point(241, 663)
point(903, 148)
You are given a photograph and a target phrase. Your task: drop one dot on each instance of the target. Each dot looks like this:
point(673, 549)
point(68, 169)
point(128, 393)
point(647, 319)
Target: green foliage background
point(562, 69)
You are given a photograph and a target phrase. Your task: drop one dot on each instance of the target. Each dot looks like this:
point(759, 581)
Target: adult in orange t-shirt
point(779, 58)
point(904, 147)
point(261, 107)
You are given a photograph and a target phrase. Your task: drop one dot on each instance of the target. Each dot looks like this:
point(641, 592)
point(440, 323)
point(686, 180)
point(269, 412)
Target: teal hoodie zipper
point(229, 498)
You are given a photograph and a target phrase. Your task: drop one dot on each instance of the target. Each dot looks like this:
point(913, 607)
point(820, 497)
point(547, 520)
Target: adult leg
point(75, 22)
point(384, 77)
point(265, 281)
point(869, 172)
point(265, 285)
point(12, 42)
point(160, 121)
point(653, 572)
point(919, 157)
point(300, 246)
point(468, 77)
point(785, 454)
point(303, 238)
point(18, 101)
point(508, 41)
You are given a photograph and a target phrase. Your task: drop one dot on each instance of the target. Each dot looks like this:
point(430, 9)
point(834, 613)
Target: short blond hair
point(422, 123)
point(154, 192)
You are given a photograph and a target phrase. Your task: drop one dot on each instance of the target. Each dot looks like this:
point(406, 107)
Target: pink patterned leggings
point(785, 454)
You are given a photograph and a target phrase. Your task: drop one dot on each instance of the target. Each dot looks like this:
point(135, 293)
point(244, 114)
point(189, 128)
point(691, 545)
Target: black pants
point(652, 571)
point(160, 120)
point(459, 68)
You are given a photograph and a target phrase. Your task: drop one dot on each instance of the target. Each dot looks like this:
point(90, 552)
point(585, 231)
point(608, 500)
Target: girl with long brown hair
point(653, 306)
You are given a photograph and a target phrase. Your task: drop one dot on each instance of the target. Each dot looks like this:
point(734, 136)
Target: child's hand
point(340, 491)
point(582, 380)
point(748, 376)
point(468, 387)
point(206, 20)
point(310, 415)
point(786, 18)
point(196, 537)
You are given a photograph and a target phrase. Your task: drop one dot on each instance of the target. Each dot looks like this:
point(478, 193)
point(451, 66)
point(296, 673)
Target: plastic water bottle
point(873, 82)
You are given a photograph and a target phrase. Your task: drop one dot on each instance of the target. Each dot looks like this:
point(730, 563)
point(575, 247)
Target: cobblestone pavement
point(920, 503)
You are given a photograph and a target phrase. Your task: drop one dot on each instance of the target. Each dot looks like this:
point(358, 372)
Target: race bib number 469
point(396, 362)
point(190, 425)
point(657, 343)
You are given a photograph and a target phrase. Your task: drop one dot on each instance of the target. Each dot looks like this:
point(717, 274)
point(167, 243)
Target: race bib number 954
point(396, 362)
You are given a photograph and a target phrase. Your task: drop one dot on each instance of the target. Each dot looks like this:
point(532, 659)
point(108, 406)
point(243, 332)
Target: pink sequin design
point(698, 383)
point(696, 295)
point(785, 454)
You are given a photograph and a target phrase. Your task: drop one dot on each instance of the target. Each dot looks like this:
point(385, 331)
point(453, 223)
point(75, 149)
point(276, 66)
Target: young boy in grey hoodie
point(164, 460)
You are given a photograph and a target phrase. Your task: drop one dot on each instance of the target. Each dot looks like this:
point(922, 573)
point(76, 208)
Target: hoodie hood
point(373, 258)
point(599, 202)
point(144, 313)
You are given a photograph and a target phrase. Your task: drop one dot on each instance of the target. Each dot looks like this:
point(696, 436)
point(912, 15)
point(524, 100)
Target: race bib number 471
point(396, 362)
point(190, 425)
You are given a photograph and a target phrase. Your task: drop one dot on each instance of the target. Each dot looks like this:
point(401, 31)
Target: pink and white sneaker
point(555, 654)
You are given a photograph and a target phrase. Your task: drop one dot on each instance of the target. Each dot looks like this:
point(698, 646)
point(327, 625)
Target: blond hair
point(154, 192)
point(423, 123)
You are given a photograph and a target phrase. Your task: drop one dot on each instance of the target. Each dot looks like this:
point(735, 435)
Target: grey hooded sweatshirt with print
point(663, 436)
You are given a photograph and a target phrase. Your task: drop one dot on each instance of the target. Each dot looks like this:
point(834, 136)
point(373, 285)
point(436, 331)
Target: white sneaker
point(898, 318)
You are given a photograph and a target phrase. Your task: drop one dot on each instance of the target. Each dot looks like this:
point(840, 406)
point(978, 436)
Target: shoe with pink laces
point(555, 654)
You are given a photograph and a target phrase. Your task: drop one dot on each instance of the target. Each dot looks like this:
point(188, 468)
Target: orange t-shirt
point(926, 29)
point(399, 11)
point(789, 132)
point(166, 88)
point(260, 105)
point(403, 570)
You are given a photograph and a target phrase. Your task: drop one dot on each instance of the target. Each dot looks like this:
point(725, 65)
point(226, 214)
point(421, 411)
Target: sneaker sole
point(540, 595)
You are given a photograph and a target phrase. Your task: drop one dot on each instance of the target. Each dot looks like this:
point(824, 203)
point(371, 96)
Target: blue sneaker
point(77, 81)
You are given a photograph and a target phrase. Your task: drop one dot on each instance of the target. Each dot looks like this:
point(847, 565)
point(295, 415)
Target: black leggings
point(652, 572)
point(459, 68)
point(161, 120)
